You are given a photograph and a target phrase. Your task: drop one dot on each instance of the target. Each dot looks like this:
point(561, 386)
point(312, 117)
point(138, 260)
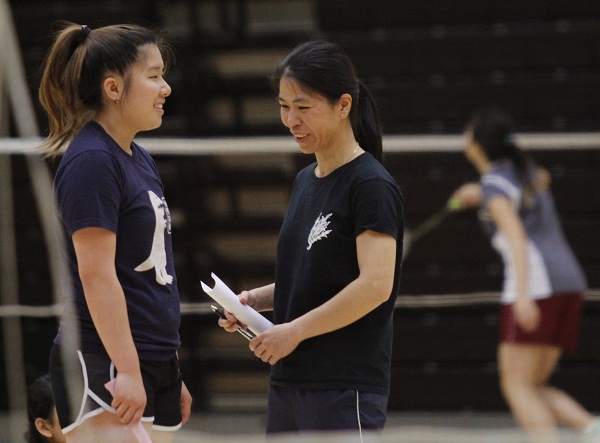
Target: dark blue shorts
point(83, 382)
point(295, 409)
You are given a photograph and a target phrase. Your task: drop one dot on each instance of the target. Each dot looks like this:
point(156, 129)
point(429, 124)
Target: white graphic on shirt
point(158, 254)
point(319, 229)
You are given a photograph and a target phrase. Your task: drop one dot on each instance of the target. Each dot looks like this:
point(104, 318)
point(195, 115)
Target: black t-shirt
point(317, 258)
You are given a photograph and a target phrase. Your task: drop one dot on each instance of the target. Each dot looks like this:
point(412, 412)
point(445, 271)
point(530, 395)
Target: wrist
point(130, 367)
point(300, 328)
point(255, 303)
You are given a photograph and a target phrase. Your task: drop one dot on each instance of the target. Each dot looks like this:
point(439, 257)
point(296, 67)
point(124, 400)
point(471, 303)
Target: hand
point(527, 314)
point(248, 298)
point(275, 343)
point(231, 323)
point(186, 404)
point(129, 398)
point(467, 196)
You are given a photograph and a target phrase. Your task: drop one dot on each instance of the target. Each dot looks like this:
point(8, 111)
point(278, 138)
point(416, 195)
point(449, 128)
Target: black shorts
point(297, 409)
point(83, 383)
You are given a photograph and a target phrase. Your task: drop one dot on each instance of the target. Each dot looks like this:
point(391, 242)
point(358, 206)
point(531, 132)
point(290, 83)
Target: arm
point(376, 255)
point(95, 249)
point(261, 299)
point(509, 223)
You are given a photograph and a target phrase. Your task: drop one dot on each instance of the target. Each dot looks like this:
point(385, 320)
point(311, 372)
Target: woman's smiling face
point(312, 119)
point(143, 102)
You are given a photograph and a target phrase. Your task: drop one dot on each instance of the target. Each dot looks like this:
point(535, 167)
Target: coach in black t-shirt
point(338, 257)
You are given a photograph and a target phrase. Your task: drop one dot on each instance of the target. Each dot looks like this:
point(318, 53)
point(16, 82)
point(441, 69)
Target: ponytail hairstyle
point(40, 404)
point(493, 129)
point(77, 64)
point(323, 68)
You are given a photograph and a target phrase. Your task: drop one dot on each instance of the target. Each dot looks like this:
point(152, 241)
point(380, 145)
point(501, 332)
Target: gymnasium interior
point(227, 164)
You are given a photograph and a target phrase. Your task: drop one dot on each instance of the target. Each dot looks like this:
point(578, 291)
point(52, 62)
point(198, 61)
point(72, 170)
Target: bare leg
point(104, 427)
point(162, 436)
point(566, 410)
point(520, 381)
point(524, 372)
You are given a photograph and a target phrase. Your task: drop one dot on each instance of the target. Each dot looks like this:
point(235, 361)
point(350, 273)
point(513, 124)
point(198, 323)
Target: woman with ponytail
point(100, 88)
point(543, 282)
point(338, 256)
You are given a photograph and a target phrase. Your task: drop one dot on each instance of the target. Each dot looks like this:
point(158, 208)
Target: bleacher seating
point(430, 63)
point(340, 15)
point(430, 72)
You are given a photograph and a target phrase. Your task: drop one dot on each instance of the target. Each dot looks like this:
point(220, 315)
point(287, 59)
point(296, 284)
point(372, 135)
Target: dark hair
point(77, 64)
point(324, 68)
point(40, 404)
point(493, 129)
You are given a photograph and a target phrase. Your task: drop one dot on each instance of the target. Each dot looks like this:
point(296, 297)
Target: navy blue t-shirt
point(317, 258)
point(99, 185)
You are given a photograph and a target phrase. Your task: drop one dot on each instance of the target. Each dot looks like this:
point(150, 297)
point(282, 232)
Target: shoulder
point(142, 152)
point(305, 174)
point(368, 170)
point(503, 180)
point(90, 143)
point(372, 184)
point(502, 173)
point(89, 160)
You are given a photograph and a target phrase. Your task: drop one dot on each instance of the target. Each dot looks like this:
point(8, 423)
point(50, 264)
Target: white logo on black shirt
point(319, 229)
point(158, 254)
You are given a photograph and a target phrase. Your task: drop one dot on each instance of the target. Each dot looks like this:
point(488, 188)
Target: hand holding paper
point(229, 300)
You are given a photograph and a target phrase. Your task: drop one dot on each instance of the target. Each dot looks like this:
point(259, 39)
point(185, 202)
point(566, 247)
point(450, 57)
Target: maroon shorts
point(561, 317)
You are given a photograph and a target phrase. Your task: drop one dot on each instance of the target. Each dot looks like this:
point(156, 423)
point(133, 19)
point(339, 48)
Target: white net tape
point(277, 144)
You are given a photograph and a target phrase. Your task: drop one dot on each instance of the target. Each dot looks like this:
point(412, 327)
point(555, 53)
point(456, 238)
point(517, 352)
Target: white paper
point(230, 302)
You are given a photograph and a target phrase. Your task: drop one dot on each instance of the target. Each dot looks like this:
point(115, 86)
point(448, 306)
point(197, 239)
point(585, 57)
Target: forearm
point(263, 297)
point(351, 304)
point(106, 302)
point(376, 254)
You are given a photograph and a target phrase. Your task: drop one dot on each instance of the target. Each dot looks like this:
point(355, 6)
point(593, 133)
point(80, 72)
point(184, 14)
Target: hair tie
point(85, 31)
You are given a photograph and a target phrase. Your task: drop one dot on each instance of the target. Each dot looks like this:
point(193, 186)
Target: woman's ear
point(112, 89)
point(43, 427)
point(345, 105)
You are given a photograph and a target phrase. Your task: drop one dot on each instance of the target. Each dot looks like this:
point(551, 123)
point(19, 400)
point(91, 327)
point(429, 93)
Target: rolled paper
point(230, 302)
point(138, 429)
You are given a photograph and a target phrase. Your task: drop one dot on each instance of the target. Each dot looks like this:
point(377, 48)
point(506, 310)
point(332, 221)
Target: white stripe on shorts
point(358, 416)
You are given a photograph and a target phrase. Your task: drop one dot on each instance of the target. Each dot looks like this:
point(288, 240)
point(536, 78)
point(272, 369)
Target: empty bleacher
point(430, 63)
point(433, 63)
